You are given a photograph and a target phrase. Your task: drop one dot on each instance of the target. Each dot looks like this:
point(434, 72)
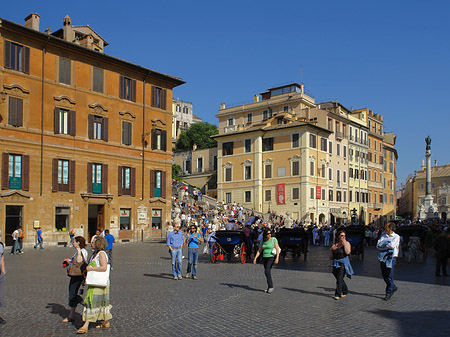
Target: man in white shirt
point(388, 244)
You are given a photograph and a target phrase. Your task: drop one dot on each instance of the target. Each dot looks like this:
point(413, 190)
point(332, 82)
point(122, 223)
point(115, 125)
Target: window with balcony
point(157, 183)
point(15, 171)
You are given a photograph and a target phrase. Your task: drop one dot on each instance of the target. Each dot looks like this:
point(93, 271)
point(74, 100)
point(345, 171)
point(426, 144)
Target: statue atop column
point(428, 209)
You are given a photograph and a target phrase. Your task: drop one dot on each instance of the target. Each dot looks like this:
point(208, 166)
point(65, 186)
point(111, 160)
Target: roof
point(4, 23)
point(436, 172)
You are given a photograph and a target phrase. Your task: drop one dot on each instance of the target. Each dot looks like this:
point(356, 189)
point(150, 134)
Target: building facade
point(83, 137)
point(182, 117)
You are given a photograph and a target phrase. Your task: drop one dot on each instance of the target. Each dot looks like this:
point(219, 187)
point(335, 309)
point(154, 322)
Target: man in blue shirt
point(175, 244)
point(39, 239)
point(192, 239)
point(110, 239)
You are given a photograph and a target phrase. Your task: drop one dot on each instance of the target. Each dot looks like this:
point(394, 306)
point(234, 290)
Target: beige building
point(182, 117)
point(389, 176)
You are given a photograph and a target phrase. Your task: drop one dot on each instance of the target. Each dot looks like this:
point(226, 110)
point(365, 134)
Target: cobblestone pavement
point(228, 298)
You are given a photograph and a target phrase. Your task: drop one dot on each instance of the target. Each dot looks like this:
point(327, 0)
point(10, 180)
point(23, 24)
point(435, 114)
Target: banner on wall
point(281, 198)
point(318, 192)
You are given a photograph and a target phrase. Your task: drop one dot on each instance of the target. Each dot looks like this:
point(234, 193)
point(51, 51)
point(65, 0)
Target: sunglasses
point(342, 235)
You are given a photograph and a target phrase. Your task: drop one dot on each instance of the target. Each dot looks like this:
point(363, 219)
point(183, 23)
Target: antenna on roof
point(301, 74)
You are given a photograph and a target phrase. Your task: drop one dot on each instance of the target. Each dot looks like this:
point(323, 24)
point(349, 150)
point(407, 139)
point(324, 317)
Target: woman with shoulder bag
point(76, 270)
point(96, 302)
point(341, 264)
point(270, 252)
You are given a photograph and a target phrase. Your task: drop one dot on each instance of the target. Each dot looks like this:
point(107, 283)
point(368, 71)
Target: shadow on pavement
point(331, 290)
point(246, 287)
point(160, 275)
point(418, 323)
point(310, 292)
point(58, 309)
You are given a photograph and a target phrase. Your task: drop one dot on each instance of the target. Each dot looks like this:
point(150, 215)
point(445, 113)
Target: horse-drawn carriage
point(293, 240)
point(406, 232)
point(356, 236)
point(230, 244)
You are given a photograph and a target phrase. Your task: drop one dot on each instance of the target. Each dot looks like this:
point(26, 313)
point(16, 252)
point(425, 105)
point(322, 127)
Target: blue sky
point(392, 57)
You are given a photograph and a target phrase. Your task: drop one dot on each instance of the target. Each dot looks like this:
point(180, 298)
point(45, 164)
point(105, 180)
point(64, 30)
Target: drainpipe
point(143, 136)
point(42, 115)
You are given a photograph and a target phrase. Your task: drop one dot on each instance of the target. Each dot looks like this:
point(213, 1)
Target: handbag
point(98, 278)
point(274, 250)
point(77, 268)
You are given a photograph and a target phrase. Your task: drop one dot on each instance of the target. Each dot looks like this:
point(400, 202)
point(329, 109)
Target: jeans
point(109, 252)
point(38, 243)
point(15, 247)
point(176, 261)
point(388, 276)
point(268, 263)
point(192, 261)
point(341, 286)
point(441, 263)
point(326, 241)
point(74, 285)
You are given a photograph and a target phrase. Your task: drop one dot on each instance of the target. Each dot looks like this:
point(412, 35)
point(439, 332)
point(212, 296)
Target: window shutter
point(133, 182)
point(163, 99)
point(91, 126)
point(124, 133)
point(153, 139)
point(55, 175)
point(152, 183)
point(163, 184)
point(12, 113)
point(104, 179)
point(133, 90)
point(164, 140)
point(56, 121)
point(73, 122)
point(153, 95)
point(7, 54)
point(105, 129)
point(26, 60)
point(119, 181)
point(121, 80)
point(5, 171)
point(25, 173)
point(19, 112)
point(72, 176)
point(89, 177)
point(129, 133)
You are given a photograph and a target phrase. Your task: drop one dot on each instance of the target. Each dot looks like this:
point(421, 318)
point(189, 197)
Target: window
point(157, 183)
point(214, 163)
point(64, 70)
point(330, 147)
point(267, 114)
point(249, 118)
point(295, 140)
point(268, 195)
point(17, 57)
point(62, 219)
point(356, 174)
point(228, 174)
point(199, 164)
point(350, 196)
point(98, 127)
point(281, 171)
point(391, 167)
point(295, 168)
point(344, 177)
point(125, 223)
point(126, 133)
point(186, 110)
point(159, 139)
point(330, 124)
point(248, 145)
point(311, 168)
point(381, 198)
point(338, 149)
point(391, 198)
point(230, 121)
point(295, 193)
point(228, 197)
point(323, 170)
point(324, 191)
point(64, 121)
point(268, 169)
point(345, 151)
point(345, 196)
point(178, 108)
point(63, 176)
point(127, 89)
point(247, 172)
point(127, 181)
point(227, 149)
point(330, 173)
point(15, 111)
point(323, 144)
point(97, 178)
point(356, 196)
point(338, 196)
point(97, 79)
point(312, 141)
point(286, 108)
point(268, 144)
point(248, 196)
point(14, 174)
point(311, 193)
point(330, 195)
point(338, 177)
point(350, 172)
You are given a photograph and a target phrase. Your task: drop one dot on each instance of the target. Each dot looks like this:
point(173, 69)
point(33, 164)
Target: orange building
point(83, 137)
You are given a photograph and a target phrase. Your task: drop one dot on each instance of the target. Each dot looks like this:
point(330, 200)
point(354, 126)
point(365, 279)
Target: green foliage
point(198, 133)
point(176, 170)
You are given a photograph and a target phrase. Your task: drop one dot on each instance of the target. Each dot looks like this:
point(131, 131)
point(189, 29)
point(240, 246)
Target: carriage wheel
point(213, 253)
point(243, 254)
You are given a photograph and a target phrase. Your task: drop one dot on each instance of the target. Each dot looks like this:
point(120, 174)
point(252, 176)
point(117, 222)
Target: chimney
point(256, 98)
point(32, 21)
point(67, 29)
point(222, 106)
point(48, 31)
point(423, 165)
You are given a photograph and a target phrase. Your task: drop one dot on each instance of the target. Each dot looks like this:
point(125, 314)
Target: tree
point(198, 133)
point(176, 170)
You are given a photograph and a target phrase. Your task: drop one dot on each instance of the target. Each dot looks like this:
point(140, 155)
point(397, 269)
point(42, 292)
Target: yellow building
point(83, 136)
point(389, 176)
